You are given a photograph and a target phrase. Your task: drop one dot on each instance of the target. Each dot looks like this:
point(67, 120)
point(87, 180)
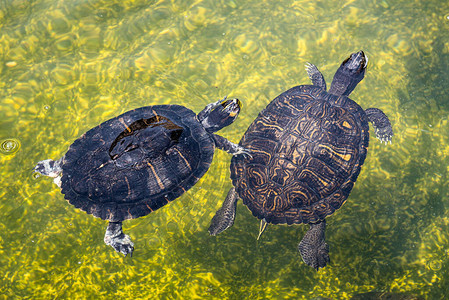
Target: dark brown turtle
point(133, 164)
point(307, 147)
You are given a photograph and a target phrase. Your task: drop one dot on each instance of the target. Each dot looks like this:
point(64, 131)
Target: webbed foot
point(315, 76)
point(384, 134)
point(224, 218)
point(115, 238)
point(313, 247)
point(381, 124)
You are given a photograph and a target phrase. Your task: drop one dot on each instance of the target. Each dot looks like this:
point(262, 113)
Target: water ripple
point(9, 146)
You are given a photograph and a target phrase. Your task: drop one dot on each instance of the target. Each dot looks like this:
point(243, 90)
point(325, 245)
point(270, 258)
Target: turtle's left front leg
point(115, 238)
point(230, 147)
point(381, 124)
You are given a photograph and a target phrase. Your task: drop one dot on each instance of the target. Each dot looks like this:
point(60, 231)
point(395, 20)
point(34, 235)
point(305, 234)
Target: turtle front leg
point(230, 147)
point(315, 76)
point(381, 124)
point(313, 247)
point(115, 238)
point(225, 216)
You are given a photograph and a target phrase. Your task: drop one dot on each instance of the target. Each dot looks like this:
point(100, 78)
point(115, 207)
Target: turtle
point(139, 161)
point(307, 149)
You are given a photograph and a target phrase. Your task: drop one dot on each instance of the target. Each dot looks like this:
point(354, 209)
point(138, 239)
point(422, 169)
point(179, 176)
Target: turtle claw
point(246, 153)
point(315, 76)
point(381, 124)
point(242, 151)
point(384, 134)
point(126, 249)
point(311, 69)
point(122, 245)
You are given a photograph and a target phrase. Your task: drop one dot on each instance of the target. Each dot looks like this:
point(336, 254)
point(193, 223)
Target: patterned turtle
point(134, 164)
point(307, 148)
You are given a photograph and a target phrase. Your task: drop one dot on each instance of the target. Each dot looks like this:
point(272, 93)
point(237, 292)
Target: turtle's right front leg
point(115, 238)
point(225, 216)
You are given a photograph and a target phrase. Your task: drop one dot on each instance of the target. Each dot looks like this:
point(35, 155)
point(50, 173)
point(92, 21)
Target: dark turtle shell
point(135, 163)
point(307, 149)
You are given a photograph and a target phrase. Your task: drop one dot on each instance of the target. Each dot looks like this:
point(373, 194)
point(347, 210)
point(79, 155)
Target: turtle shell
point(135, 163)
point(307, 149)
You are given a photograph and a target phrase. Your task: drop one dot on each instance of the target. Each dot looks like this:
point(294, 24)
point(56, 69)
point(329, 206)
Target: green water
point(66, 66)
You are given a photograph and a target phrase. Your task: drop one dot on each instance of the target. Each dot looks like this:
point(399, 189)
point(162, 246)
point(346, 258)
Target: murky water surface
point(66, 66)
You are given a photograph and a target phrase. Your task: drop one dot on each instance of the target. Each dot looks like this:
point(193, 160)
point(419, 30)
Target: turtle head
point(350, 73)
point(219, 114)
point(48, 168)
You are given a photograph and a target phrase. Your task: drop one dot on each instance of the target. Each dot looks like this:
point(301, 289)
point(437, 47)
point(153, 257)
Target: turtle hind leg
point(225, 216)
point(381, 124)
point(315, 76)
point(115, 238)
point(313, 247)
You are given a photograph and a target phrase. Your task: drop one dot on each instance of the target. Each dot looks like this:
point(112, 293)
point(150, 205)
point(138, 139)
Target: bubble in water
point(9, 146)
point(435, 265)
